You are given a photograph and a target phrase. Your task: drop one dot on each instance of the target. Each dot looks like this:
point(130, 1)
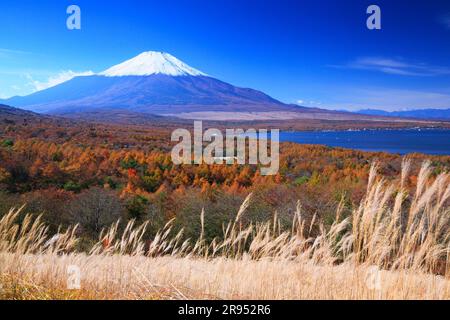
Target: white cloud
point(57, 79)
point(388, 99)
point(309, 103)
point(11, 51)
point(445, 20)
point(396, 67)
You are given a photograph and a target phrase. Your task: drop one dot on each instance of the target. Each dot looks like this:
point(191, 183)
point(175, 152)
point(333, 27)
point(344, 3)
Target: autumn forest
point(91, 174)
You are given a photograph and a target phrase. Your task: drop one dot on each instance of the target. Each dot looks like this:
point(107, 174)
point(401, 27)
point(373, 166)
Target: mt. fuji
point(152, 82)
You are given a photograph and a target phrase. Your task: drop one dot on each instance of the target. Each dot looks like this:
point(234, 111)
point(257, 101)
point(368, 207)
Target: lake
point(428, 141)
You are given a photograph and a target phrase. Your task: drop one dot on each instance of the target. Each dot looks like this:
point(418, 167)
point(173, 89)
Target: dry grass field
point(395, 245)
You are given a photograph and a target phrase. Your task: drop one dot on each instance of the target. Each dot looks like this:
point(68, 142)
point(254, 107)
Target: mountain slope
point(149, 94)
point(152, 82)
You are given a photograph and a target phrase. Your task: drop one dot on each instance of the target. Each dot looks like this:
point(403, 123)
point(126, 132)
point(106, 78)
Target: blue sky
point(317, 53)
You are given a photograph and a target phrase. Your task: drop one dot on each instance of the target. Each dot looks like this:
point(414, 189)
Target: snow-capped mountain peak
point(152, 62)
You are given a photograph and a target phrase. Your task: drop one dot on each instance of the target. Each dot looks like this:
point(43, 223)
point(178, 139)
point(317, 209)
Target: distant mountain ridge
point(10, 116)
point(433, 114)
point(158, 84)
point(11, 111)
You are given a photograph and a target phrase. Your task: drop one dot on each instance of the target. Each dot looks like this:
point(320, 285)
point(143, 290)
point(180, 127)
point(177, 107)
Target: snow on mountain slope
point(149, 63)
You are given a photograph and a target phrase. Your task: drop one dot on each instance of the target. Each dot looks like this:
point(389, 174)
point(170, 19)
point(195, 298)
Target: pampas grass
point(393, 246)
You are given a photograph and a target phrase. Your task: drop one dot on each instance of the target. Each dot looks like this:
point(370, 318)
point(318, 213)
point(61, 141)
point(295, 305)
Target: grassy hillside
point(393, 245)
